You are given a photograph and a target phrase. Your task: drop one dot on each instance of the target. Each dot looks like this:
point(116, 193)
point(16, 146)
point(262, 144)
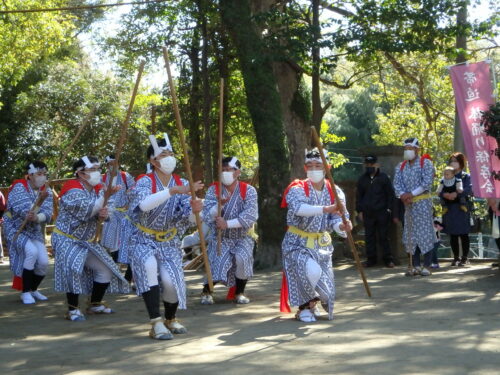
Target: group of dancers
point(145, 221)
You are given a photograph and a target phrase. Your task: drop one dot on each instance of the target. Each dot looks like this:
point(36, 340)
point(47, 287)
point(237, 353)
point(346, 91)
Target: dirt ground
point(444, 324)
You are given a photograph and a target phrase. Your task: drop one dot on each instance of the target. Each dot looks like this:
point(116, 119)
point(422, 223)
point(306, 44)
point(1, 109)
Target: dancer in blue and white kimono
point(307, 247)
point(234, 266)
point(161, 210)
point(28, 254)
point(113, 235)
point(413, 183)
point(83, 266)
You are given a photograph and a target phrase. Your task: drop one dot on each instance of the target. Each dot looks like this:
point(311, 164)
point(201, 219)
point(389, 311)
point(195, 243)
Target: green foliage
point(336, 159)
point(28, 37)
point(431, 122)
point(48, 115)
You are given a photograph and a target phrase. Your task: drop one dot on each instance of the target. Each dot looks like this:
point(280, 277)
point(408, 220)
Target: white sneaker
point(242, 300)
point(99, 309)
point(159, 331)
point(425, 272)
point(175, 326)
point(305, 316)
point(207, 299)
point(39, 296)
point(75, 315)
point(27, 298)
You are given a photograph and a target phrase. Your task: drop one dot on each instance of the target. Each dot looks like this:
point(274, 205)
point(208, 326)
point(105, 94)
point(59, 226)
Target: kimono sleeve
point(208, 204)
point(295, 198)
point(77, 203)
point(19, 202)
point(250, 213)
point(142, 189)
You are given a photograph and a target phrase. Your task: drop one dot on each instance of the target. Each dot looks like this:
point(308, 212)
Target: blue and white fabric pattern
point(171, 215)
point(296, 253)
point(20, 201)
point(419, 228)
point(75, 219)
point(235, 242)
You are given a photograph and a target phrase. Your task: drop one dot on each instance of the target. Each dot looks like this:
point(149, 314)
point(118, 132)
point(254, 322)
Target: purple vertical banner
point(474, 94)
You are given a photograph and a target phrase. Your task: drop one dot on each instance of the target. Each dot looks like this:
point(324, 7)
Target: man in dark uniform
point(374, 201)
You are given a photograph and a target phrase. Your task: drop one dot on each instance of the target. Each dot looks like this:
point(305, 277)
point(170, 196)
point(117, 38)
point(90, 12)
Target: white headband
point(88, 164)
point(157, 149)
point(232, 163)
point(32, 169)
point(413, 143)
point(318, 159)
point(108, 159)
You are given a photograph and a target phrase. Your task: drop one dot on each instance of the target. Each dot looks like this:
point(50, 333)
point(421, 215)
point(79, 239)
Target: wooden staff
point(119, 146)
point(219, 197)
point(342, 210)
point(41, 197)
point(180, 128)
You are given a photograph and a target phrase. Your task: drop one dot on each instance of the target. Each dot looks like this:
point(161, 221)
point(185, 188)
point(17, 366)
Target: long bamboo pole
point(41, 196)
point(119, 145)
point(219, 197)
point(342, 210)
point(180, 128)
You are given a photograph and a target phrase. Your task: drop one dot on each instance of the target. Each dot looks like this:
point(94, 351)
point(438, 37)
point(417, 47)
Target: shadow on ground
point(444, 324)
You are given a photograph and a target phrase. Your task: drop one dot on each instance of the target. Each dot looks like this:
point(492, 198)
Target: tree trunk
point(461, 43)
point(317, 114)
point(194, 104)
point(207, 103)
point(265, 109)
point(296, 109)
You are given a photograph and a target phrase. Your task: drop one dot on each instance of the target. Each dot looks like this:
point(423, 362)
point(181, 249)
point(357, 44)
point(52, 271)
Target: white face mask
point(409, 154)
point(455, 165)
point(39, 181)
point(227, 178)
point(167, 164)
point(95, 178)
point(316, 176)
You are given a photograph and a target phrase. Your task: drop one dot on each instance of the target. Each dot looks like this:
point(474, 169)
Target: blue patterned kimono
point(296, 253)
point(20, 200)
point(235, 241)
point(419, 228)
point(75, 220)
point(172, 215)
point(118, 203)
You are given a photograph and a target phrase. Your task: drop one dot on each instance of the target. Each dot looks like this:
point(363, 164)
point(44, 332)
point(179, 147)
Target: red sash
point(304, 185)
point(75, 184)
point(177, 180)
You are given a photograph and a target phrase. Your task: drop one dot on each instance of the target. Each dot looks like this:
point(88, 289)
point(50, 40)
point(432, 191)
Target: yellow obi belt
point(161, 236)
point(58, 231)
point(422, 197)
point(323, 238)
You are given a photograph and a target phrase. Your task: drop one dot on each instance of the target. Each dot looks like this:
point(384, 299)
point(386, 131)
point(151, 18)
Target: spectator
point(374, 200)
point(456, 220)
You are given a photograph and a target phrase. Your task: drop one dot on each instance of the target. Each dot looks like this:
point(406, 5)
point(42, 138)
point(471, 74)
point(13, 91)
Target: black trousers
point(377, 228)
point(455, 247)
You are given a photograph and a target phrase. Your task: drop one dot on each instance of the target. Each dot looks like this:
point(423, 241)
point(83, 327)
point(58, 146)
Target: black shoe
point(390, 265)
point(455, 262)
point(463, 262)
point(368, 264)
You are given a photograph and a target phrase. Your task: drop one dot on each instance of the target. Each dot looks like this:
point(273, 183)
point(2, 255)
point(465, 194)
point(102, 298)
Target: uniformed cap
point(370, 159)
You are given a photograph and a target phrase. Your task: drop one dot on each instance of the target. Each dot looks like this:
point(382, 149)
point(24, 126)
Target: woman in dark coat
point(456, 220)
